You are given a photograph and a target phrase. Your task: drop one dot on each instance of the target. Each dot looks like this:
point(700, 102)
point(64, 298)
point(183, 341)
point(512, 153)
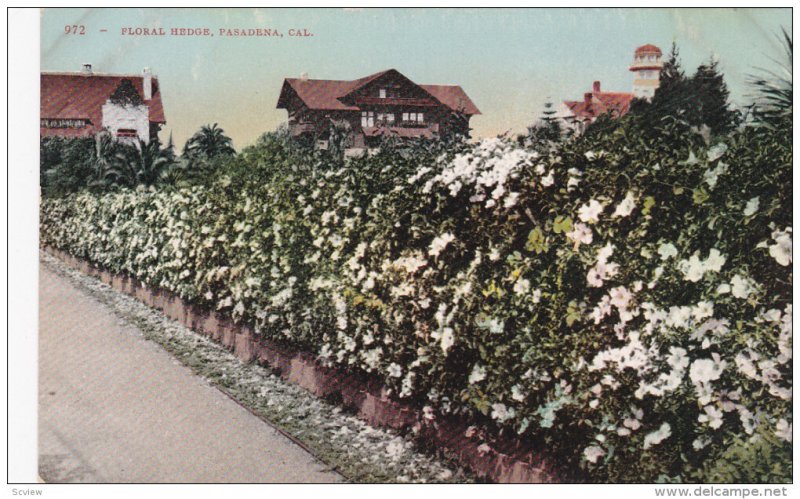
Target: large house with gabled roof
point(80, 104)
point(380, 105)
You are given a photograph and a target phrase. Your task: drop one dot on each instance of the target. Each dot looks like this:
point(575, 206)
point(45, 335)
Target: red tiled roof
point(618, 103)
point(81, 96)
point(648, 49)
point(325, 94)
point(453, 97)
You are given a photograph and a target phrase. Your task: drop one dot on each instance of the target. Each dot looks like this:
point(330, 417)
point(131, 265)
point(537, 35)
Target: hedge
point(623, 300)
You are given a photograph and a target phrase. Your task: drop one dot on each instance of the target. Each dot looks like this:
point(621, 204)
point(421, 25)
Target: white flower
point(751, 207)
point(715, 152)
point(702, 310)
point(511, 199)
point(667, 250)
point(620, 297)
point(593, 453)
point(501, 413)
point(448, 339)
point(712, 175)
point(590, 212)
point(395, 370)
point(536, 296)
point(440, 243)
point(478, 374)
point(522, 286)
point(625, 207)
point(516, 393)
point(604, 253)
point(712, 416)
point(594, 278)
point(371, 357)
point(742, 286)
point(783, 429)
point(657, 436)
point(693, 269)
point(705, 370)
point(548, 180)
point(715, 260)
point(781, 251)
point(580, 234)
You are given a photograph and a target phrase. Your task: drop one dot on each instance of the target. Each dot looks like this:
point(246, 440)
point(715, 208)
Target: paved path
point(114, 407)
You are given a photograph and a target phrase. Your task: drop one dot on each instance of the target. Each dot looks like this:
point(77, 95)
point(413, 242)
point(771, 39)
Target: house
point(380, 105)
point(646, 66)
point(80, 104)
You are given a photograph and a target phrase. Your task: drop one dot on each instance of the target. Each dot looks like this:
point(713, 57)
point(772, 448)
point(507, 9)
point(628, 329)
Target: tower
point(646, 68)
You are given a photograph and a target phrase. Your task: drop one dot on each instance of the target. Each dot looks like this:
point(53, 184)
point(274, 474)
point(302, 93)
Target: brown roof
point(618, 103)
point(453, 97)
point(326, 94)
point(81, 96)
point(648, 49)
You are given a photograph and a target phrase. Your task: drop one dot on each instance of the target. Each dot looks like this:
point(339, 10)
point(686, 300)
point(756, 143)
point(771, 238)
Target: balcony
point(395, 101)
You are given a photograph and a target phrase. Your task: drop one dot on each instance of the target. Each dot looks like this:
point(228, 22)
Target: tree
point(133, 165)
point(773, 90)
point(339, 139)
point(66, 165)
point(545, 132)
point(209, 142)
point(710, 95)
point(699, 101)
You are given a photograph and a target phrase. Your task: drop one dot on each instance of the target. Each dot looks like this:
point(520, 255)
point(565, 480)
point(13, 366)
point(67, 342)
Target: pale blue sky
point(509, 61)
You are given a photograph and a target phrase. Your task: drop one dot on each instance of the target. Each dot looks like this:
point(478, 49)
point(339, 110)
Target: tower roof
point(648, 49)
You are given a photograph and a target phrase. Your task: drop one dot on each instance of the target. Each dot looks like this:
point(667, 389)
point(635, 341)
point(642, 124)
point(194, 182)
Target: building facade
point(79, 104)
point(646, 67)
point(380, 105)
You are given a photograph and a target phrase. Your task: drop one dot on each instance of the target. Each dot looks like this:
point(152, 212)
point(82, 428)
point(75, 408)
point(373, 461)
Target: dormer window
point(382, 93)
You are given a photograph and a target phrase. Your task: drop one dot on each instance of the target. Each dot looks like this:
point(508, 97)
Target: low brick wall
point(500, 460)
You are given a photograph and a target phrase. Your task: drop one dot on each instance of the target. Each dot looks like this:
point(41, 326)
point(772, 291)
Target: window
point(382, 93)
point(126, 132)
point(412, 117)
point(405, 116)
point(367, 119)
point(419, 118)
point(390, 118)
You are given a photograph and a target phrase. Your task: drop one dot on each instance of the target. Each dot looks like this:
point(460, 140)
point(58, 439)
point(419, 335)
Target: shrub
point(623, 299)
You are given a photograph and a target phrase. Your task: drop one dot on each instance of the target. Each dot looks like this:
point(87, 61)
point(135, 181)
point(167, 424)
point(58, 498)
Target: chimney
point(587, 98)
point(596, 87)
point(304, 76)
point(87, 68)
point(147, 83)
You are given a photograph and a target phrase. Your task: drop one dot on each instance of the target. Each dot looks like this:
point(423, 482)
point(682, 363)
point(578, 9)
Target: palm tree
point(773, 89)
point(139, 164)
point(210, 141)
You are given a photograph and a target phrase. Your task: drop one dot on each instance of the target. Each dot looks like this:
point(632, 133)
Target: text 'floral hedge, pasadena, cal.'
point(623, 302)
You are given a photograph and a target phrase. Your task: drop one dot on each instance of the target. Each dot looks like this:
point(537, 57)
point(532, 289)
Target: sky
point(509, 61)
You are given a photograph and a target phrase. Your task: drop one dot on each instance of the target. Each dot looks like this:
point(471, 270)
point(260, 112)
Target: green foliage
point(209, 142)
point(139, 164)
point(65, 165)
point(761, 458)
point(773, 90)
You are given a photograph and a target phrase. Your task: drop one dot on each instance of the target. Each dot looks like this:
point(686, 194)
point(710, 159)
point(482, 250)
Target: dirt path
point(114, 407)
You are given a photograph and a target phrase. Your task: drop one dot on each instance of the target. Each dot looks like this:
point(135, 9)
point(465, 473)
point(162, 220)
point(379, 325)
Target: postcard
point(416, 245)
